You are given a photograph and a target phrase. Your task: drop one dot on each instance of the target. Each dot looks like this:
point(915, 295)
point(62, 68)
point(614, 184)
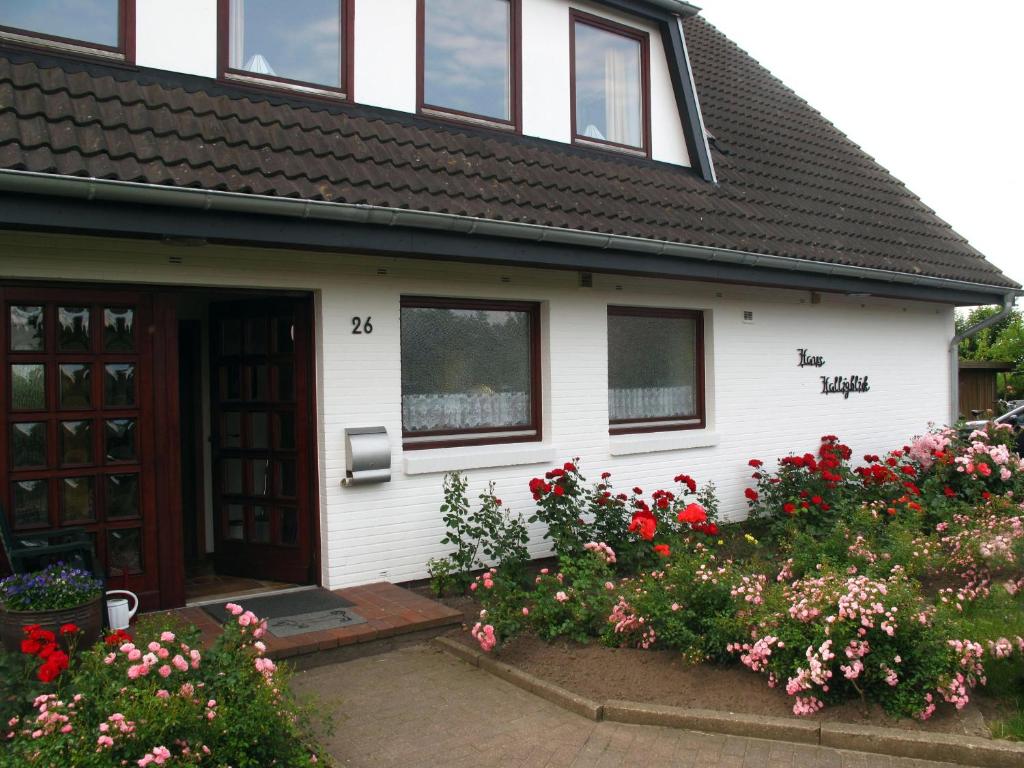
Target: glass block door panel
point(78, 422)
point(260, 353)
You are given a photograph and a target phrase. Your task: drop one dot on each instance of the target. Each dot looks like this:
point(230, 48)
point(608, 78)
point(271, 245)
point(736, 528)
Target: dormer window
point(286, 44)
point(468, 65)
point(96, 27)
point(610, 85)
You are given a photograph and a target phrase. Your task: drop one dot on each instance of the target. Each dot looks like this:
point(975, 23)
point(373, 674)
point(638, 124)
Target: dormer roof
point(793, 193)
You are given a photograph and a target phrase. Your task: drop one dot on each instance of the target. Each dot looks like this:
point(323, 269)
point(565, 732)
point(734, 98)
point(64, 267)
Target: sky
point(933, 90)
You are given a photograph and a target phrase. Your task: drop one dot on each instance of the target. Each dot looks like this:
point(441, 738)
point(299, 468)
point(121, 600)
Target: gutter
point(34, 183)
point(954, 352)
point(677, 6)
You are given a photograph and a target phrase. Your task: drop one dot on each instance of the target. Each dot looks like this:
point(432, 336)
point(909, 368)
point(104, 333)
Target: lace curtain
point(465, 410)
point(650, 403)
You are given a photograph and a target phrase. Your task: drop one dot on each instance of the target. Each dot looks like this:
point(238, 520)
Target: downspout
point(954, 353)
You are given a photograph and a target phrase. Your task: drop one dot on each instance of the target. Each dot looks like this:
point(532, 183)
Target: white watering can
point(119, 615)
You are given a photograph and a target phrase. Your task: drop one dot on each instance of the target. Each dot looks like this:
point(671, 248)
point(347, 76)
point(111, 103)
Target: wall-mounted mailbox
point(368, 456)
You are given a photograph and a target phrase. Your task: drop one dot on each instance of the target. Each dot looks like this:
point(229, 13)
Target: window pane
point(122, 496)
point(235, 522)
point(609, 98)
point(465, 369)
point(124, 551)
point(75, 442)
point(120, 439)
point(73, 329)
point(289, 517)
point(28, 387)
point(77, 505)
point(94, 21)
point(119, 330)
point(298, 41)
point(31, 503)
point(28, 444)
point(26, 328)
point(652, 371)
point(119, 385)
point(260, 524)
point(466, 56)
point(75, 386)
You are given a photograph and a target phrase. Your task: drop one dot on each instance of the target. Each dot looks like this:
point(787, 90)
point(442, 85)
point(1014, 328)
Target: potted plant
point(57, 595)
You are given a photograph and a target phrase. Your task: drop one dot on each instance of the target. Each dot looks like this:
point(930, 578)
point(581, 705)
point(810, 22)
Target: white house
point(502, 233)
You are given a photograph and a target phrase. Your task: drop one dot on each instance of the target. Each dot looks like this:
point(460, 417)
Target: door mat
point(287, 605)
point(313, 622)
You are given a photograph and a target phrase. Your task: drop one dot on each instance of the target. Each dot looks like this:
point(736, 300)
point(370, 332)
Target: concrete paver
point(418, 706)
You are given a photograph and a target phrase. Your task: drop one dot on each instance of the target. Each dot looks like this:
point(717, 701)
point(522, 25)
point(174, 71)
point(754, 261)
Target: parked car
point(1014, 418)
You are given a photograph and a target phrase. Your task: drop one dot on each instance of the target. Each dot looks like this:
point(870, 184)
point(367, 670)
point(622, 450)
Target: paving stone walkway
point(417, 706)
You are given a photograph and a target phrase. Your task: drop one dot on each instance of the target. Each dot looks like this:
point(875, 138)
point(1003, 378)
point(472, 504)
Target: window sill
point(435, 460)
point(653, 442)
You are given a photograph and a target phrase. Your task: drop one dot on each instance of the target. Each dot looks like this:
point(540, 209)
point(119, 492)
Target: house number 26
point(359, 325)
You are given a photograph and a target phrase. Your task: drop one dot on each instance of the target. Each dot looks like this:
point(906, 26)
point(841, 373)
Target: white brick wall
point(759, 402)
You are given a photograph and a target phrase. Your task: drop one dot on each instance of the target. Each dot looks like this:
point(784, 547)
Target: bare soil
point(664, 677)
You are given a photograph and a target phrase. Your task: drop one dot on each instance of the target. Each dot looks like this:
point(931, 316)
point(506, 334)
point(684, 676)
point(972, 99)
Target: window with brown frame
point(301, 46)
point(655, 369)
point(468, 66)
point(610, 84)
point(95, 27)
point(470, 372)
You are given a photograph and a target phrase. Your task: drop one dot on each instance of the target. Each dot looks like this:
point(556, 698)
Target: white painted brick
point(760, 403)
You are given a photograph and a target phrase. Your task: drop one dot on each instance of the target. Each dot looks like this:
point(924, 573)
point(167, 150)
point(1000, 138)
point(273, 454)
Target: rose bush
point(160, 699)
point(897, 581)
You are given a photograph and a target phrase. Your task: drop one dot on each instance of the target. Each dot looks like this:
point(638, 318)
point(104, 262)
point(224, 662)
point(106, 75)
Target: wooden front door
point(77, 442)
point(260, 377)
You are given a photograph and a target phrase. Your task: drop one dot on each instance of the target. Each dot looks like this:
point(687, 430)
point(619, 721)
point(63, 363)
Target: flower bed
point(896, 584)
point(153, 697)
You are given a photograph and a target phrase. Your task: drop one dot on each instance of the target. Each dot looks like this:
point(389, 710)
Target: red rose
point(949, 491)
point(825, 507)
point(644, 524)
point(816, 499)
point(569, 467)
point(605, 475)
point(662, 550)
point(906, 469)
point(986, 495)
point(751, 494)
point(638, 491)
point(662, 503)
point(558, 490)
point(693, 513)
point(72, 629)
point(755, 463)
point(30, 646)
point(711, 529)
point(789, 508)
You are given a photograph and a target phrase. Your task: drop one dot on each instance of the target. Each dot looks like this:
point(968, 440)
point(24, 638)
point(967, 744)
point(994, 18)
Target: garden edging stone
point(895, 742)
point(968, 750)
point(775, 728)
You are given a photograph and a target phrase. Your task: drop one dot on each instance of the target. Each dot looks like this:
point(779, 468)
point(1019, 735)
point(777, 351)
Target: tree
point(1001, 341)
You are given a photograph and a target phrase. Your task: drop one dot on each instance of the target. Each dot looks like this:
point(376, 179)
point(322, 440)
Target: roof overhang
point(48, 202)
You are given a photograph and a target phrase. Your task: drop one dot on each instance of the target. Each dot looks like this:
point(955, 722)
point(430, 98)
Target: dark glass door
point(261, 439)
point(77, 433)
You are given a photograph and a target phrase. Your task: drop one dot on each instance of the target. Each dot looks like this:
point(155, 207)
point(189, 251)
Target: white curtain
point(650, 402)
point(236, 34)
point(622, 97)
point(421, 413)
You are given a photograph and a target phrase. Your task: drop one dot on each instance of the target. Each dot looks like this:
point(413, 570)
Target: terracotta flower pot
point(88, 617)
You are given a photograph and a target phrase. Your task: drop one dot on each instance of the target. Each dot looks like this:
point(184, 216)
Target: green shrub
point(161, 699)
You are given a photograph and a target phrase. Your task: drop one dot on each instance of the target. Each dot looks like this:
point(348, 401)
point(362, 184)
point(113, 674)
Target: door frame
point(166, 418)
